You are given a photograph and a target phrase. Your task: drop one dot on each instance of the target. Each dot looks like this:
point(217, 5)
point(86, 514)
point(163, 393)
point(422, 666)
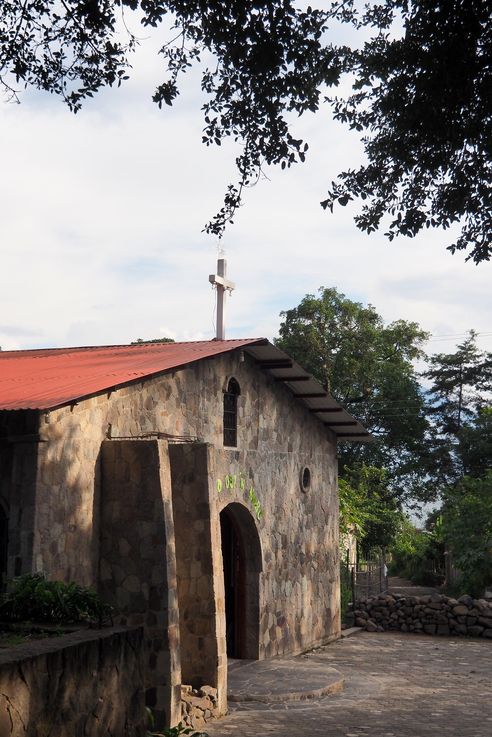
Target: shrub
point(417, 555)
point(345, 591)
point(32, 598)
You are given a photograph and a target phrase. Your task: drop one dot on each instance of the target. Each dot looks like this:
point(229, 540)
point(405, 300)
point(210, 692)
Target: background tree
point(475, 445)
point(152, 340)
point(460, 390)
point(368, 367)
point(369, 508)
point(467, 522)
point(461, 446)
point(421, 96)
point(418, 554)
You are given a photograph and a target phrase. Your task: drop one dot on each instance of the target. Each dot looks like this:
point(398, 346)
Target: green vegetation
point(430, 444)
point(32, 598)
point(467, 528)
point(418, 554)
point(368, 509)
point(177, 731)
point(152, 340)
point(345, 591)
point(368, 367)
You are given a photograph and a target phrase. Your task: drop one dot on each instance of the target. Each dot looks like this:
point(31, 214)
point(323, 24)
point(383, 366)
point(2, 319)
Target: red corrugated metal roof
point(48, 378)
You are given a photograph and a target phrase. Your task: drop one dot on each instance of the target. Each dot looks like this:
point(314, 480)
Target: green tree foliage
point(467, 523)
point(475, 444)
point(421, 98)
point(368, 508)
point(139, 341)
point(461, 447)
point(418, 554)
point(421, 93)
point(459, 394)
point(368, 367)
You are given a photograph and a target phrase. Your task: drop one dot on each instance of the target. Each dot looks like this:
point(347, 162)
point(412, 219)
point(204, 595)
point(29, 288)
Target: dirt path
point(407, 588)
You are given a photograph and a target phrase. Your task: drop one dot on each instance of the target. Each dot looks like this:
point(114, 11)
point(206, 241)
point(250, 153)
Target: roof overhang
point(306, 389)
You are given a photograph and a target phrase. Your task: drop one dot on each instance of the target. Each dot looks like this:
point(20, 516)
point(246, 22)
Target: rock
point(475, 630)
point(485, 621)
point(198, 703)
point(430, 629)
point(487, 633)
point(360, 622)
point(466, 600)
point(209, 691)
point(443, 629)
point(371, 626)
point(460, 610)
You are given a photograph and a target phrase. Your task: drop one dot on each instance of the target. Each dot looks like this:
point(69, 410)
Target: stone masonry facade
point(135, 514)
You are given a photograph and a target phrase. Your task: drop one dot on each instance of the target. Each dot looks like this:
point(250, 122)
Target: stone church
point(194, 485)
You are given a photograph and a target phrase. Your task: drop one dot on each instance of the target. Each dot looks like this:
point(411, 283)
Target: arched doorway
point(4, 545)
point(242, 560)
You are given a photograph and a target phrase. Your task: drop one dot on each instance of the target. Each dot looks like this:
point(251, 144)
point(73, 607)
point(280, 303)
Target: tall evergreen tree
point(460, 390)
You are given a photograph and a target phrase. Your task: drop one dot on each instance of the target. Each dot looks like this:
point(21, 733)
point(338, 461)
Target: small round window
point(305, 479)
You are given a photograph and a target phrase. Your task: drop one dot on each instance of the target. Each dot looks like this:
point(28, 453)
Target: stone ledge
point(350, 631)
point(45, 646)
point(272, 681)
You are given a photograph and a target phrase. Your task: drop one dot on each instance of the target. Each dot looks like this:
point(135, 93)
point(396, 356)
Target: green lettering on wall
point(231, 482)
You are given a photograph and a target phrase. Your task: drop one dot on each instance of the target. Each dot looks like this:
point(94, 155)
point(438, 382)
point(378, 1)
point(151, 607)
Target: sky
point(101, 229)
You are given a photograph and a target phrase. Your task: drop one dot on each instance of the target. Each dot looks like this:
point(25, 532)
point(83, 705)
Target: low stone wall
point(434, 614)
point(85, 684)
point(199, 706)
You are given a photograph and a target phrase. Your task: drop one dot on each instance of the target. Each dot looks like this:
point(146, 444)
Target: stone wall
point(86, 684)
point(138, 562)
point(434, 614)
point(199, 572)
point(298, 533)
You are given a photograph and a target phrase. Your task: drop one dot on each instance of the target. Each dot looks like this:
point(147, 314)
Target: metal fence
point(371, 577)
point(366, 577)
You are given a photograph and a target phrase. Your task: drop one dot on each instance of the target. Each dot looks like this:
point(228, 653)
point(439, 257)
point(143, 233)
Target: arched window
point(230, 413)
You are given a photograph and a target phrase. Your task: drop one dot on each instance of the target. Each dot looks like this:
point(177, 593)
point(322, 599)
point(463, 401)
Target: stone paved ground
point(395, 686)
